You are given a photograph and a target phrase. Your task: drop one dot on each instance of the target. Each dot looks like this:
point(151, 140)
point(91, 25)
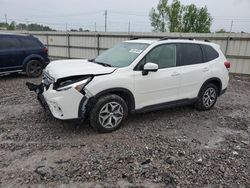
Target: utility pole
point(95, 26)
point(231, 28)
point(6, 20)
point(66, 27)
point(229, 36)
point(27, 23)
point(129, 27)
point(106, 15)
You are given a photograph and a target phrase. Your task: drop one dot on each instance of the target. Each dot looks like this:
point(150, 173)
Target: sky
point(89, 14)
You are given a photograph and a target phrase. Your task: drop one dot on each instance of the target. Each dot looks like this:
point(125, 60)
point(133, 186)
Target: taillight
point(45, 50)
point(227, 64)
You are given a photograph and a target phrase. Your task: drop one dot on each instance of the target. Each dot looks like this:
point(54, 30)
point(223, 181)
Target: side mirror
point(149, 67)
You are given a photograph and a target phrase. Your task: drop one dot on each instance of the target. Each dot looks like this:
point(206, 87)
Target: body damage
point(64, 88)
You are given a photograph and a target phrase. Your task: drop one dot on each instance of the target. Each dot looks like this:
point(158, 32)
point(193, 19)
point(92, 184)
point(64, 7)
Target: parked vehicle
point(22, 53)
point(134, 76)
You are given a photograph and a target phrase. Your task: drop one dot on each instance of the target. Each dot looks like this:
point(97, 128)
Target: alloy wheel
point(111, 115)
point(209, 97)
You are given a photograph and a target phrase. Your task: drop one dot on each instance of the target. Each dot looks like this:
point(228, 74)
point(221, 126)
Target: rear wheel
point(34, 68)
point(108, 113)
point(207, 97)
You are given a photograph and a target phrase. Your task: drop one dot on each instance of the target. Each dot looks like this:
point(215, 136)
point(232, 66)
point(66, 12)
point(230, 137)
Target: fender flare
point(32, 57)
point(119, 90)
point(214, 79)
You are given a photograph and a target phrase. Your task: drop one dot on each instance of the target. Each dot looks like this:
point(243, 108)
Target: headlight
point(77, 85)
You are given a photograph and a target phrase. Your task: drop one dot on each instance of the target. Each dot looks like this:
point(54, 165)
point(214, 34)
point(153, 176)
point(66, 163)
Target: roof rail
point(143, 37)
point(166, 38)
point(185, 38)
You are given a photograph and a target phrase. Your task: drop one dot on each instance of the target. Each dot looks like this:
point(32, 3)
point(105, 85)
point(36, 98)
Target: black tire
point(206, 102)
point(34, 68)
point(104, 105)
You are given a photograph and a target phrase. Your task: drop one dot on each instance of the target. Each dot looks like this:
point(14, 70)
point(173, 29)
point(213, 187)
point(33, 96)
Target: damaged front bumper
point(63, 105)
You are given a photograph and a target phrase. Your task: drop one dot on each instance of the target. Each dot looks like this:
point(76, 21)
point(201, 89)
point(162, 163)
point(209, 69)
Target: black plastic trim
point(118, 89)
point(166, 105)
point(80, 114)
point(210, 80)
point(223, 91)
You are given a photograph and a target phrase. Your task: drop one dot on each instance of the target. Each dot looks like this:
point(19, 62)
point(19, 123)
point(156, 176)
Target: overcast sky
point(85, 13)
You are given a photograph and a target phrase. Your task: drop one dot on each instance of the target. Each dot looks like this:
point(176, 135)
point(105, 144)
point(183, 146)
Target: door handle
point(205, 69)
point(175, 74)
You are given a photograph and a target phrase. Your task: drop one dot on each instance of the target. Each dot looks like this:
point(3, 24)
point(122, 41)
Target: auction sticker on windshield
point(137, 51)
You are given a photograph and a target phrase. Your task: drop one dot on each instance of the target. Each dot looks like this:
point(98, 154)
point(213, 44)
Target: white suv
point(135, 76)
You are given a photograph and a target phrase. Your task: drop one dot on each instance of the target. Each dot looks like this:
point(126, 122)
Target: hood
point(65, 68)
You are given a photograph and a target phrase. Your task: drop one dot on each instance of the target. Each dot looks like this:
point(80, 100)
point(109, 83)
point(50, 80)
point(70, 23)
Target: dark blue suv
point(22, 53)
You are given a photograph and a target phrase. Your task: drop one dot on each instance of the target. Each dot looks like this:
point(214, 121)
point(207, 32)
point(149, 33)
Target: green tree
point(159, 16)
point(196, 19)
point(12, 26)
point(21, 26)
point(175, 16)
point(3, 24)
point(221, 31)
point(180, 18)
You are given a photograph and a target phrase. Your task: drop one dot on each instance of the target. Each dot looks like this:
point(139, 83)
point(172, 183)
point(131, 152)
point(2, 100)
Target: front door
point(161, 86)
point(11, 54)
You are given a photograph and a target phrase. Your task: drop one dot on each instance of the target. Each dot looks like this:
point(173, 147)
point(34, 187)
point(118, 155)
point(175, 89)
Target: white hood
point(65, 68)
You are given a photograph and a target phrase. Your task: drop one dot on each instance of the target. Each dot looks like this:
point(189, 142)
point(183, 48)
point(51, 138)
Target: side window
point(211, 53)
point(29, 43)
point(190, 54)
point(9, 43)
point(163, 55)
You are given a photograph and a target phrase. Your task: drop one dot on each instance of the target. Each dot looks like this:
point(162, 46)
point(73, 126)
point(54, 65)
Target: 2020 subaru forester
point(135, 76)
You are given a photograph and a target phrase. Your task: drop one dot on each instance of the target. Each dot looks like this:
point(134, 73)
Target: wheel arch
point(216, 81)
point(124, 93)
point(32, 57)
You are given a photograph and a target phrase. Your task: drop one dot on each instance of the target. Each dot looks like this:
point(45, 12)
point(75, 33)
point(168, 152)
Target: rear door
point(31, 46)
point(193, 69)
point(11, 54)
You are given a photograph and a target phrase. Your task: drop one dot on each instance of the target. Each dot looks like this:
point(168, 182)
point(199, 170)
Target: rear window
point(190, 54)
point(210, 52)
point(29, 43)
point(9, 43)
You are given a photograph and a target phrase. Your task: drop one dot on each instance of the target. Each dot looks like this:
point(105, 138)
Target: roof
point(172, 40)
point(13, 34)
point(144, 41)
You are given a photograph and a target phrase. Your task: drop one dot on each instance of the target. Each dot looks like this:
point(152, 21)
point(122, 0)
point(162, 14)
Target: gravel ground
point(178, 147)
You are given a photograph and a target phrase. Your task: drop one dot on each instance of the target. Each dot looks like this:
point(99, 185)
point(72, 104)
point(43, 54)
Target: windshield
point(122, 54)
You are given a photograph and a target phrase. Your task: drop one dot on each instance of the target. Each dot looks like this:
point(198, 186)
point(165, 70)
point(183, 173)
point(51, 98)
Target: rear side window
point(29, 43)
point(210, 53)
point(9, 43)
point(190, 54)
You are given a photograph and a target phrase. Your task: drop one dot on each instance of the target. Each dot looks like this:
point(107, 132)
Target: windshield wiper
point(100, 63)
point(104, 64)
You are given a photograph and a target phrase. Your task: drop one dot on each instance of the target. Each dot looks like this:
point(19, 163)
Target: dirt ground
point(178, 147)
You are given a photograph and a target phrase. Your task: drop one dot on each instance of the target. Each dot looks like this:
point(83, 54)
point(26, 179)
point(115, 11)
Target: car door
point(193, 69)
point(11, 54)
point(31, 46)
point(161, 86)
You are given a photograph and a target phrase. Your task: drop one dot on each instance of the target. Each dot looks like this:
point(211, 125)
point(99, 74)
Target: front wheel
point(34, 68)
point(108, 113)
point(207, 97)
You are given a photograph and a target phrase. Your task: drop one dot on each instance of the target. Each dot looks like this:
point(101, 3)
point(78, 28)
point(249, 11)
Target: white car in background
point(135, 76)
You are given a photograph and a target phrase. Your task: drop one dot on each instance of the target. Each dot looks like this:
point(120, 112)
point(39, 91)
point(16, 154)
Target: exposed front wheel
point(34, 68)
point(207, 97)
point(108, 113)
